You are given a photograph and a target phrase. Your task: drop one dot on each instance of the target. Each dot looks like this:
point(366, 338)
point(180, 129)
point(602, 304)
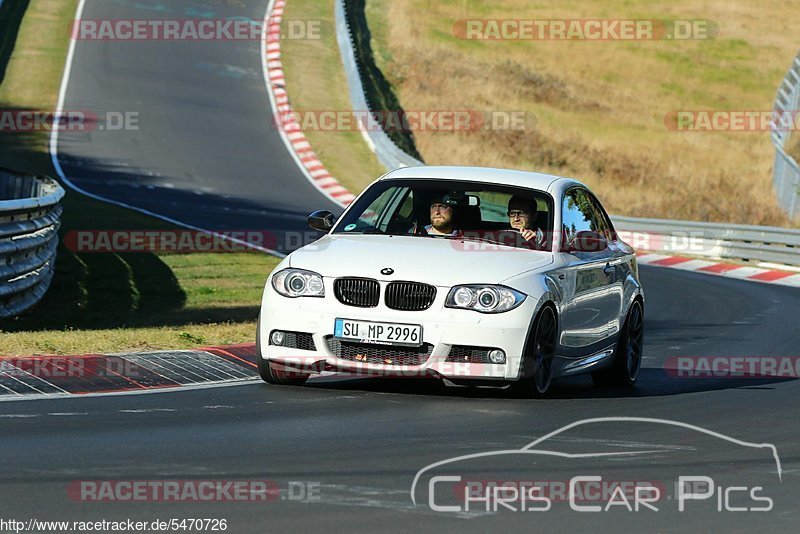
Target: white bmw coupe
point(471, 275)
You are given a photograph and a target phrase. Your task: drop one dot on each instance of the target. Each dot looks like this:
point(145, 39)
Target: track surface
point(206, 151)
point(205, 128)
point(363, 441)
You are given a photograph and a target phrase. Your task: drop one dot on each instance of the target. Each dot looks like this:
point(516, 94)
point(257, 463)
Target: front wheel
point(270, 373)
point(536, 373)
point(628, 352)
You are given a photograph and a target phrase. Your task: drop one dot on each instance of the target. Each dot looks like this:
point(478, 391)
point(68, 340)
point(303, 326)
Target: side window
point(382, 208)
point(605, 221)
point(601, 225)
point(576, 215)
point(407, 208)
point(403, 214)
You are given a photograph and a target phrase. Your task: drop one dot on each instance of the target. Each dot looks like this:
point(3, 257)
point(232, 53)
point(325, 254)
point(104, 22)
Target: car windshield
point(449, 209)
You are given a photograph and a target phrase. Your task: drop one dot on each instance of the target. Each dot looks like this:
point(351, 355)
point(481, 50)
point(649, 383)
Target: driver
point(442, 217)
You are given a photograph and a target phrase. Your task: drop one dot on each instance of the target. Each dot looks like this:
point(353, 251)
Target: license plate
point(409, 335)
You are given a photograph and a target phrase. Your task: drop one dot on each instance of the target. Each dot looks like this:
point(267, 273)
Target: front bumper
point(441, 327)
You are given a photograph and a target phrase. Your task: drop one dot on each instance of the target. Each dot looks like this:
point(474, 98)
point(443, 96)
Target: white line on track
point(176, 389)
point(62, 94)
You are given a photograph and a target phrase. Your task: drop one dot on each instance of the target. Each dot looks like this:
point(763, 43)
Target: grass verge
point(378, 90)
point(315, 81)
point(101, 302)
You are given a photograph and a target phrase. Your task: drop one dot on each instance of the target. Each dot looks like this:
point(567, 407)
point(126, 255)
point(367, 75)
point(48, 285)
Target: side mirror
point(587, 241)
point(321, 220)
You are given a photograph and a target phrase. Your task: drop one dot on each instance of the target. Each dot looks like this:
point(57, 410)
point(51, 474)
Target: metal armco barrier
point(388, 153)
point(786, 171)
point(29, 220)
point(759, 244)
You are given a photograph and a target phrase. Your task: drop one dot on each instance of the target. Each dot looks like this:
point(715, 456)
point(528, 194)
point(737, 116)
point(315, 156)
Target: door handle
point(609, 269)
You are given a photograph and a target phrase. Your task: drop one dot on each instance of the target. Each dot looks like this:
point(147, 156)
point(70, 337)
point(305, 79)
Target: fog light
point(277, 337)
point(497, 356)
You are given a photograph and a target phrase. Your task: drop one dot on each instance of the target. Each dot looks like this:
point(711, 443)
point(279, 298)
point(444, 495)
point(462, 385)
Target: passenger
point(522, 215)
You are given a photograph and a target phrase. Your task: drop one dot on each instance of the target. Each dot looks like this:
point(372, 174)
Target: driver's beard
point(443, 227)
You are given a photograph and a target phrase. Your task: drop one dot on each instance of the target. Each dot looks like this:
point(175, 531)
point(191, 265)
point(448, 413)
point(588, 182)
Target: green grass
point(103, 302)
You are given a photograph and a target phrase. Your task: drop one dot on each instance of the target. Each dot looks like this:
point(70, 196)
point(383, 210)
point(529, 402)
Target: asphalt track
point(206, 151)
point(361, 442)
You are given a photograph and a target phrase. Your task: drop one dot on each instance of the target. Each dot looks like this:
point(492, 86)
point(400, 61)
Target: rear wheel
point(270, 372)
point(628, 352)
point(537, 365)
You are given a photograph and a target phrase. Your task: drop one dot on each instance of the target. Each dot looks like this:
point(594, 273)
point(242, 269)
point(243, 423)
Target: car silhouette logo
point(534, 448)
point(387, 271)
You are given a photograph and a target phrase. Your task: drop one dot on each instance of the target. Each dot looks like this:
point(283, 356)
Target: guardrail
point(388, 153)
point(30, 214)
point(786, 171)
point(758, 244)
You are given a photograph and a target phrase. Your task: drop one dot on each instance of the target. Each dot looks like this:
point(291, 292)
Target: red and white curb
point(54, 376)
point(729, 270)
point(286, 121)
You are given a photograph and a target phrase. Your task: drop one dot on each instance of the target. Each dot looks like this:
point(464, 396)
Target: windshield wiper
point(364, 231)
point(496, 242)
point(482, 240)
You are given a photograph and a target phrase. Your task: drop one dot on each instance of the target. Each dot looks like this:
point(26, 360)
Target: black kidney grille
point(409, 296)
point(361, 292)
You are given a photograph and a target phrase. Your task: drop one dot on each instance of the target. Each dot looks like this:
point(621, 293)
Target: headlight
point(484, 298)
point(298, 283)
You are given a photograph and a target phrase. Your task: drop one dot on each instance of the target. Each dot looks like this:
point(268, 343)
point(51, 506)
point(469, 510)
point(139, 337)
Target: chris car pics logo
point(451, 486)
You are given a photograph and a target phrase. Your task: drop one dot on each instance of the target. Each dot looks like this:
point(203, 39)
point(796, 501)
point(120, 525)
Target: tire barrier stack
point(30, 216)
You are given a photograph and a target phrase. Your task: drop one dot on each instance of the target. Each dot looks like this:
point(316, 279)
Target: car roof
point(533, 180)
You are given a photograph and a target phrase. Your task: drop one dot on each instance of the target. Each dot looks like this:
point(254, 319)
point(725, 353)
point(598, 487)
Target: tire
point(270, 373)
point(628, 353)
point(536, 374)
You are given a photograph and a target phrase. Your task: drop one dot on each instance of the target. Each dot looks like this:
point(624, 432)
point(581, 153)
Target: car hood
point(436, 261)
